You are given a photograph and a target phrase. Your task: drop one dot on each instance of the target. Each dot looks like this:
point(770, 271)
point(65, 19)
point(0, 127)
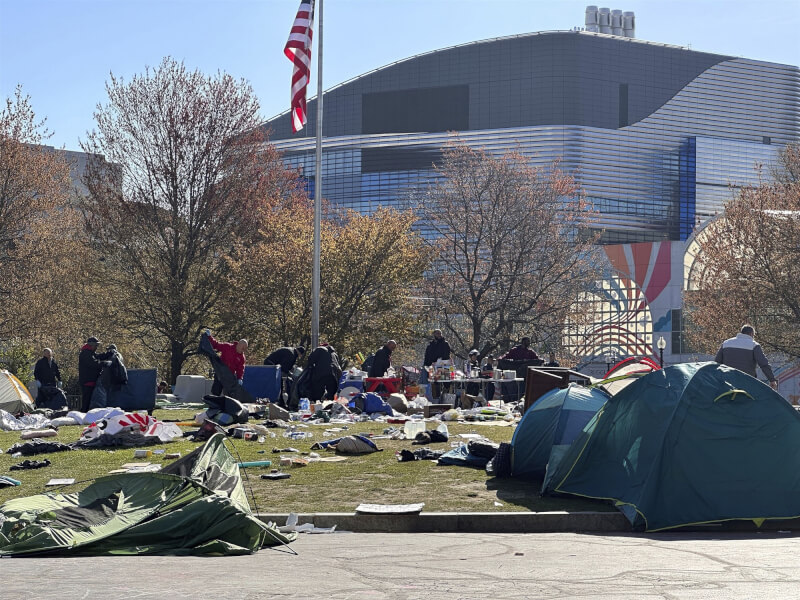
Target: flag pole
point(315, 281)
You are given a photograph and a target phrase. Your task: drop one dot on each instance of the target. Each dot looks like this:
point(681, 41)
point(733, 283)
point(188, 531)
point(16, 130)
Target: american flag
point(298, 50)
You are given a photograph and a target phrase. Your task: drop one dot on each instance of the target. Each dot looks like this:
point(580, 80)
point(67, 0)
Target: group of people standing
point(325, 370)
point(323, 365)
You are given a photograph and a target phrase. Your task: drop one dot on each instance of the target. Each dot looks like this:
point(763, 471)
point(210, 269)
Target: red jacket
point(229, 356)
point(520, 352)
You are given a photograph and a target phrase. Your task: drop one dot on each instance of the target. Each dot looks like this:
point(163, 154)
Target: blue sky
point(62, 51)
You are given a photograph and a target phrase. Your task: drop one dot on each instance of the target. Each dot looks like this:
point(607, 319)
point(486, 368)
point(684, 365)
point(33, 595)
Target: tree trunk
point(176, 360)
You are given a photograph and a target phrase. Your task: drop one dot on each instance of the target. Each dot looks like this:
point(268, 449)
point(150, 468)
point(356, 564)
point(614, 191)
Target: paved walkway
point(437, 567)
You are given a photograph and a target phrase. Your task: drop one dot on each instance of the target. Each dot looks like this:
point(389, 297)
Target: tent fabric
point(197, 505)
point(550, 426)
point(692, 443)
point(14, 397)
point(626, 372)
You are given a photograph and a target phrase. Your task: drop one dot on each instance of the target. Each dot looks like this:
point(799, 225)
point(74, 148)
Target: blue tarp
point(461, 457)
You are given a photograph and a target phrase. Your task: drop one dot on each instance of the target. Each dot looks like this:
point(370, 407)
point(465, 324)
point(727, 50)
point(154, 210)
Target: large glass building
point(656, 135)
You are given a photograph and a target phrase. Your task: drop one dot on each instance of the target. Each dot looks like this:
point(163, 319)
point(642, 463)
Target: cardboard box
point(436, 409)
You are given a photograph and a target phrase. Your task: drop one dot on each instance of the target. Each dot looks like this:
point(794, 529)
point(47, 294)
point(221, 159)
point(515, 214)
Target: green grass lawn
point(319, 487)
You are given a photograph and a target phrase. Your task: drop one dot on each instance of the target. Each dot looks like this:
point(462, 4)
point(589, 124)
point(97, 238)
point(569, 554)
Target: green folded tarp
point(197, 505)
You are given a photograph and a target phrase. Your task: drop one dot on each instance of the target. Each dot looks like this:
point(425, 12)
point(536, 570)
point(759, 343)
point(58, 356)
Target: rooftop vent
point(613, 22)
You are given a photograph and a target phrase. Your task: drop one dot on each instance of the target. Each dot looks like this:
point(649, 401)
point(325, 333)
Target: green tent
point(197, 505)
point(693, 443)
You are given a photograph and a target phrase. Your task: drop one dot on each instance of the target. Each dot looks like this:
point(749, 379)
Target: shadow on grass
point(525, 493)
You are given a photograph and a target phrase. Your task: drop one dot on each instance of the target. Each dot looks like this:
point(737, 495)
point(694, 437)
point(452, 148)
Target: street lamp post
point(661, 344)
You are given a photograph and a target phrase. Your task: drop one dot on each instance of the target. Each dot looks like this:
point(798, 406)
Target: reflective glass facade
point(654, 134)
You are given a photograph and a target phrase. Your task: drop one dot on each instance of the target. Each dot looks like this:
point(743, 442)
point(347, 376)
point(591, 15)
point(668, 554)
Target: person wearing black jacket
point(46, 371)
point(89, 366)
point(325, 372)
point(48, 382)
point(438, 348)
point(382, 360)
point(285, 358)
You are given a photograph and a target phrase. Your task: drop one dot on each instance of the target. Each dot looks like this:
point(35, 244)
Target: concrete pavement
point(437, 567)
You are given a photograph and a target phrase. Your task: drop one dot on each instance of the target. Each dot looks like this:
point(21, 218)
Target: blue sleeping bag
point(370, 403)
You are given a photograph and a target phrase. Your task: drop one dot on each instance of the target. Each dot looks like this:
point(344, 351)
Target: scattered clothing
point(476, 453)
point(433, 436)
point(122, 439)
point(30, 464)
point(352, 444)
point(38, 446)
point(420, 454)
point(225, 410)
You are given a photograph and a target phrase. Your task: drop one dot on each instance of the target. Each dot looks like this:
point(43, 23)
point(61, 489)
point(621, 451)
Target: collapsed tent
point(14, 397)
point(693, 443)
point(549, 427)
point(196, 505)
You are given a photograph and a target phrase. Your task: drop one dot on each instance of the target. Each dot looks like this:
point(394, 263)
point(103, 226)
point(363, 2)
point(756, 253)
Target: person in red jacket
point(232, 356)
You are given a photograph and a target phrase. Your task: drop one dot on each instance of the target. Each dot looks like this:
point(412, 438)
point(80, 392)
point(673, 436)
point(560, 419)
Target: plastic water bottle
point(304, 404)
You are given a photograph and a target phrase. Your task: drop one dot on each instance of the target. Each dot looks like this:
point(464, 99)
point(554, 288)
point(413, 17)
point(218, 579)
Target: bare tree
point(185, 174)
point(748, 265)
point(512, 256)
point(34, 219)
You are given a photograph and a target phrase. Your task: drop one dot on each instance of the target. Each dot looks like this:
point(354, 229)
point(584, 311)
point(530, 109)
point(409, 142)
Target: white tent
point(14, 398)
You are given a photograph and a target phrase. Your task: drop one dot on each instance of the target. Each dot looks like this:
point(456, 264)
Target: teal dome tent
point(690, 444)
